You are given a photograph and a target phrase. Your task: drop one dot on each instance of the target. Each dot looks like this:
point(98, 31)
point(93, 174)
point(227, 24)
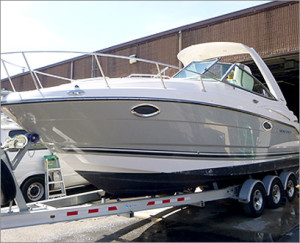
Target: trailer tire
point(274, 199)
point(33, 189)
point(290, 190)
point(255, 207)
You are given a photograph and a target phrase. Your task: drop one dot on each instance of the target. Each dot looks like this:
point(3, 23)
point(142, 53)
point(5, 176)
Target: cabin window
point(241, 76)
point(145, 110)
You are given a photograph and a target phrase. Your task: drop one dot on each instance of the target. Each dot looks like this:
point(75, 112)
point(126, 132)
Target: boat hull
point(181, 126)
point(186, 144)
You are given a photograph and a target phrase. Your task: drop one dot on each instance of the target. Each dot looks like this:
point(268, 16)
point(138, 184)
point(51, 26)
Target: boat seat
point(242, 78)
point(237, 76)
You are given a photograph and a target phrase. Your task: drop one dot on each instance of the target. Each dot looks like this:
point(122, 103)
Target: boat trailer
point(253, 194)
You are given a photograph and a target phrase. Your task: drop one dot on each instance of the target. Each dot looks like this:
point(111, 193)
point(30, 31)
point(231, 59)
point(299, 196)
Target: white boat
point(142, 135)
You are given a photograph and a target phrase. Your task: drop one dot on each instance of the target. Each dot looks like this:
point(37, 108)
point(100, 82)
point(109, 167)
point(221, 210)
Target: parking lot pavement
point(224, 221)
point(218, 222)
point(292, 236)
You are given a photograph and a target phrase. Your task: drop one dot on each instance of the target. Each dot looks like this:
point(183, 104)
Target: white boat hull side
point(185, 145)
point(180, 127)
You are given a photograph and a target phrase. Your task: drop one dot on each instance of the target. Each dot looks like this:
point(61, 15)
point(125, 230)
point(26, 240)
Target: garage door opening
point(285, 70)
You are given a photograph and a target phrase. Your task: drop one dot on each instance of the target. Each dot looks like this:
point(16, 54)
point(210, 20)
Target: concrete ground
point(220, 221)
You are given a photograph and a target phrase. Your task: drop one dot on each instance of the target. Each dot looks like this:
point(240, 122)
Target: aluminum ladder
point(54, 182)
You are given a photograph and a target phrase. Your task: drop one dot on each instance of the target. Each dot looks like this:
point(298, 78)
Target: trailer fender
point(284, 178)
point(245, 192)
point(267, 181)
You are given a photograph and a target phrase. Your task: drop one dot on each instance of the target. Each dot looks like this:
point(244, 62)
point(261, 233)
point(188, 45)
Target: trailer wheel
point(33, 189)
point(255, 207)
point(274, 200)
point(290, 190)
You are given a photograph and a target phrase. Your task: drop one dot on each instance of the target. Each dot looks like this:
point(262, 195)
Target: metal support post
point(101, 70)
point(161, 78)
point(17, 159)
point(33, 75)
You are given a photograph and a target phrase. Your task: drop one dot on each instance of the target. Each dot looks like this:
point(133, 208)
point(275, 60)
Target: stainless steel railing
point(38, 84)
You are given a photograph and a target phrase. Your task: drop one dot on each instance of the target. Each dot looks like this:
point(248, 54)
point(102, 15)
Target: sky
point(94, 25)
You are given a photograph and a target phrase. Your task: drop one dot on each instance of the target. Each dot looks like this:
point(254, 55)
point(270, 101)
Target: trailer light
point(95, 210)
point(72, 213)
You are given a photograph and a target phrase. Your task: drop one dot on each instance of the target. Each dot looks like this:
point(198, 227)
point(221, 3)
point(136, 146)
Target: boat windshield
point(209, 70)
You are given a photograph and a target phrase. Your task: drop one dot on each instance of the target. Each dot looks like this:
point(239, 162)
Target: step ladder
point(54, 182)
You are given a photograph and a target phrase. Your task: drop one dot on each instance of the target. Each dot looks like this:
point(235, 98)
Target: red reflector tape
point(72, 213)
point(180, 199)
point(167, 201)
point(96, 210)
point(112, 208)
point(150, 203)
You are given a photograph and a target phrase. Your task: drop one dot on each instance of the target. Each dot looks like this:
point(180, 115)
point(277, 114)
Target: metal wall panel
point(82, 68)
point(163, 50)
point(64, 70)
point(272, 32)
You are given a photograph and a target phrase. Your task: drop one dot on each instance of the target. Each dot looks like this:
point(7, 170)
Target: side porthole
point(145, 110)
point(267, 125)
